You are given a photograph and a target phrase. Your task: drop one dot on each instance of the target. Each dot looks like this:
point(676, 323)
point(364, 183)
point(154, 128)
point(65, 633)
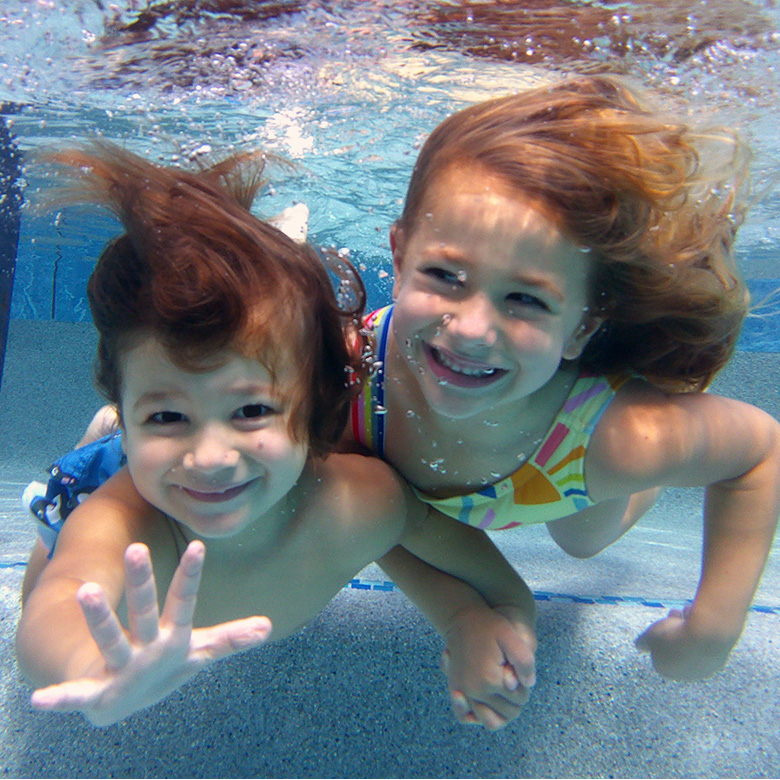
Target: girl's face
point(210, 448)
point(489, 295)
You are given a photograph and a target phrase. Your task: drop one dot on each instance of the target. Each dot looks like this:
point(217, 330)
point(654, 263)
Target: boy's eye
point(443, 275)
point(253, 411)
point(166, 418)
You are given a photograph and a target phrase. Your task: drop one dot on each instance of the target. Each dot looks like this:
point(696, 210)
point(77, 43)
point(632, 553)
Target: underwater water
point(347, 90)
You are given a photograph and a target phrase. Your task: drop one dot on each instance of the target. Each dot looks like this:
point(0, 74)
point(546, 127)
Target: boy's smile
point(211, 448)
point(490, 295)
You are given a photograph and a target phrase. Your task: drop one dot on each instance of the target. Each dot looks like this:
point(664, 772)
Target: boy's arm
point(53, 642)
point(734, 450)
point(482, 608)
point(70, 638)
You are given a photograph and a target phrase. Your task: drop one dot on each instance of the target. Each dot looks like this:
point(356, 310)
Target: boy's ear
point(397, 247)
point(578, 340)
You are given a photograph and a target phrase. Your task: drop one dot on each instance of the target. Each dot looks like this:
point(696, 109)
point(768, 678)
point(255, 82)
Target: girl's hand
point(679, 654)
point(489, 663)
point(139, 667)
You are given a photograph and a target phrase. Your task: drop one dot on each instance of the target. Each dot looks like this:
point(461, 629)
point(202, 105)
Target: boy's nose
point(474, 322)
point(211, 452)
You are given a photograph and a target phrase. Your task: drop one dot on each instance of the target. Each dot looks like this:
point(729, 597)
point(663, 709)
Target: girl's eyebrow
point(451, 255)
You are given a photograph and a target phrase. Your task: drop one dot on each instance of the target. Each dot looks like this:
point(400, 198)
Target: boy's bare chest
point(290, 582)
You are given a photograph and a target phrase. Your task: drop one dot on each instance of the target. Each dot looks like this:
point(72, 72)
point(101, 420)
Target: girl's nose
point(211, 452)
point(474, 322)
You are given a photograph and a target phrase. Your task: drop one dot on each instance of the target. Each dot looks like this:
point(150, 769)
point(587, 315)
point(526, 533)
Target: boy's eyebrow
point(237, 389)
point(154, 396)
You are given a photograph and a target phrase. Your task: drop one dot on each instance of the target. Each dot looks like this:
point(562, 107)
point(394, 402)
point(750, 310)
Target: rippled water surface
point(347, 90)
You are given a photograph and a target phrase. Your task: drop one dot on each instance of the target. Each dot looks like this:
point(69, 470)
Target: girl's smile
point(490, 295)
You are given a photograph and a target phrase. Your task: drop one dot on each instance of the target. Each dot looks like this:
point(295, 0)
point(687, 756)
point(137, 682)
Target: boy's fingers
point(67, 697)
point(209, 644)
point(141, 592)
point(104, 626)
point(182, 595)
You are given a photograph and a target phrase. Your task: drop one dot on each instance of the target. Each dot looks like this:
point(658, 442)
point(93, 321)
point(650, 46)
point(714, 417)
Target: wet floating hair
point(197, 270)
point(655, 203)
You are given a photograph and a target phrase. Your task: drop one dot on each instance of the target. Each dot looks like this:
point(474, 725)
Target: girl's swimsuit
point(548, 486)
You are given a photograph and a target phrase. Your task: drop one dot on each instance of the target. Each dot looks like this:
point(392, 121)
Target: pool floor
point(358, 693)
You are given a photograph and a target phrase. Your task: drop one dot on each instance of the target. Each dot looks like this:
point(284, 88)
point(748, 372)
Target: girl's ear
point(589, 324)
point(397, 246)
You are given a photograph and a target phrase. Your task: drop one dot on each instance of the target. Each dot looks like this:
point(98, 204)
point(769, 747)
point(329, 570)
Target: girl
point(564, 293)
point(223, 347)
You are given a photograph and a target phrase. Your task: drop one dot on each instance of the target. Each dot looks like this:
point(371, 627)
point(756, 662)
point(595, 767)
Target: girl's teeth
point(479, 372)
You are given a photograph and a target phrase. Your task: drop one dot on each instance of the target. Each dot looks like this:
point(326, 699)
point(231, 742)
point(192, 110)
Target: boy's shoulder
point(361, 496)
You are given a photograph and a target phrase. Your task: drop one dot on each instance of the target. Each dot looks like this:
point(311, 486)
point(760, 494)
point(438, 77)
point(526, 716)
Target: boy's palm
point(139, 667)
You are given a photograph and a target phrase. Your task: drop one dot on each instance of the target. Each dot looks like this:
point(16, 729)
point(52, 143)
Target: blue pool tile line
point(539, 595)
point(543, 595)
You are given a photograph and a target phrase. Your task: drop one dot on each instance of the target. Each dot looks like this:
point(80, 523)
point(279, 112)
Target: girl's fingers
point(182, 595)
point(104, 626)
point(141, 594)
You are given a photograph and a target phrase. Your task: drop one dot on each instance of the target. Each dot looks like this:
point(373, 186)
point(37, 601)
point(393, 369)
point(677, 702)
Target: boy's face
point(490, 296)
point(209, 448)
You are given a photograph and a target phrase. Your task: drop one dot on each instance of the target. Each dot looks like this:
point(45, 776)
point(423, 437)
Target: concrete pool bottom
point(357, 693)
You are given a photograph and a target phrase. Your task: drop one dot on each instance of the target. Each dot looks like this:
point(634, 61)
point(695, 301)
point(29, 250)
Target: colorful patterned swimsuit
point(548, 486)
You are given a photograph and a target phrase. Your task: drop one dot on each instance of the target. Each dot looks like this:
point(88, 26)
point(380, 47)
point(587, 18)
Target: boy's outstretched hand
point(140, 666)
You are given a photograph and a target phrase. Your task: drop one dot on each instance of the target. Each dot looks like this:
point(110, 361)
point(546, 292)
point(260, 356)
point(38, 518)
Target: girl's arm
point(482, 608)
point(698, 439)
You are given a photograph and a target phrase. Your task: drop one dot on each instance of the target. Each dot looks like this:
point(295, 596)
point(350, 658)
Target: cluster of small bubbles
point(491, 424)
point(437, 465)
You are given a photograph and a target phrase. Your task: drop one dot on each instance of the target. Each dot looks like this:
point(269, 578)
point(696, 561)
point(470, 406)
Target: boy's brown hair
point(199, 272)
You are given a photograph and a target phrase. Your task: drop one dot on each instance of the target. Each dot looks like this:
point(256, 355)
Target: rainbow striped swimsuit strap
point(368, 408)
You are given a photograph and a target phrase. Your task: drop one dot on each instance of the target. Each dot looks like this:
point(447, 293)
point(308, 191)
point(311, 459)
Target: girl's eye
point(166, 418)
point(525, 300)
point(253, 412)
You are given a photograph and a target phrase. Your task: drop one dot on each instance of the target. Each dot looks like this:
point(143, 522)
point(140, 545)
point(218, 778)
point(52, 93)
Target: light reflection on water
point(348, 89)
